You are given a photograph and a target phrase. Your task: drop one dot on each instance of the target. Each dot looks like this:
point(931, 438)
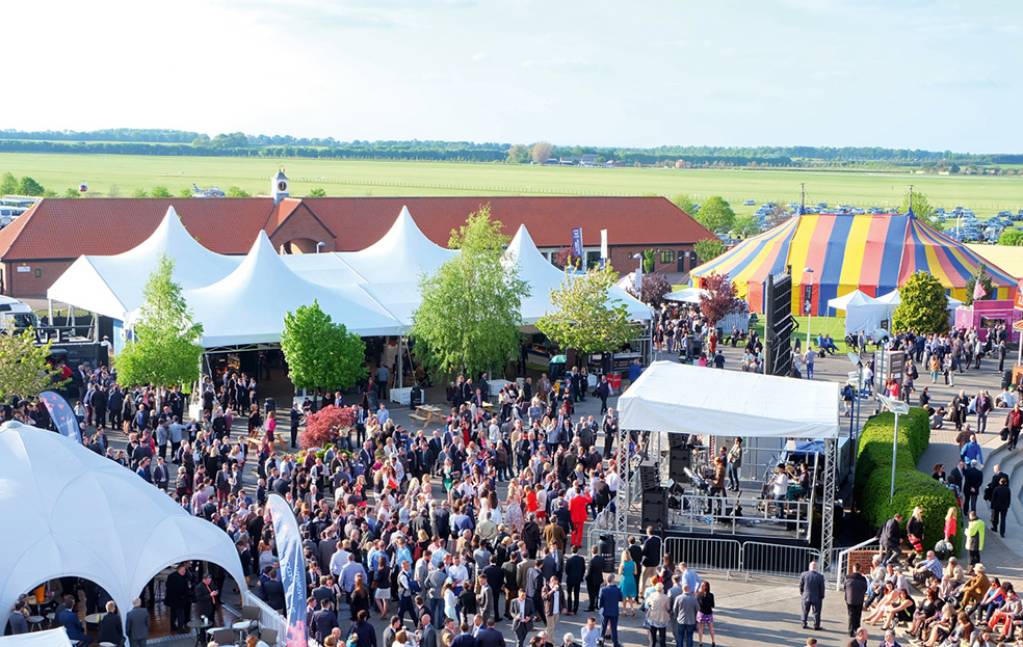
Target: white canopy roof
point(113, 285)
point(678, 398)
point(68, 511)
point(403, 254)
point(852, 299)
point(49, 638)
point(686, 295)
point(892, 299)
point(248, 305)
point(542, 278)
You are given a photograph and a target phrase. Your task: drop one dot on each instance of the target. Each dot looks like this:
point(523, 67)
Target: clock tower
point(279, 186)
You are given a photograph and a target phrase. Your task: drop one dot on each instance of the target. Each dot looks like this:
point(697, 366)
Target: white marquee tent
point(113, 285)
point(248, 305)
point(862, 311)
point(892, 301)
point(686, 295)
point(49, 638)
point(69, 512)
point(678, 398)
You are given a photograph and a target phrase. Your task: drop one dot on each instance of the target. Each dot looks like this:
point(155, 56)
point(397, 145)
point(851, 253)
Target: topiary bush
point(912, 487)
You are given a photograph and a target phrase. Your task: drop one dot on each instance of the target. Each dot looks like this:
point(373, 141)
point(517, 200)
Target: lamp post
point(808, 305)
point(898, 407)
point(319, 245)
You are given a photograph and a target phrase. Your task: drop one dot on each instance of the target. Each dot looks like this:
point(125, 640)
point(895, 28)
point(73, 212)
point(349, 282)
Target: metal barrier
point(842, 562)
point(776, 559)
point(268, 618)
point(706, 554)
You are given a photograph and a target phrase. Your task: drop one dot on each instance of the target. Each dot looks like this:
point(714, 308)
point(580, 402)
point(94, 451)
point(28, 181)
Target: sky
point(897, 73)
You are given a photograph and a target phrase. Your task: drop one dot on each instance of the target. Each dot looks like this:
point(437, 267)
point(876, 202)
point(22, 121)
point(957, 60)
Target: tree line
point(132, 141)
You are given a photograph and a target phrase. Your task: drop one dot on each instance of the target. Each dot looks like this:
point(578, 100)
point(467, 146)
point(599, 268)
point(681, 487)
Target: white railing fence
point(268, 618)
point(705, 554)
point(733, 556)
point(842, 562)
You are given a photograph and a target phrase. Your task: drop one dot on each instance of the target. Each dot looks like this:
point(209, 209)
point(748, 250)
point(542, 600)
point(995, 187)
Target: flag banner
point(577, 242)
point(978, 289)
point(289, 551)
point(603, 244)
point(63, 416)
point(1018, 303)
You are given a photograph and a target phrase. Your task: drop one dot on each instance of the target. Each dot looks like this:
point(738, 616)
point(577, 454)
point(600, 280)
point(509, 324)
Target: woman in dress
point(627, 571)
point(705, 612)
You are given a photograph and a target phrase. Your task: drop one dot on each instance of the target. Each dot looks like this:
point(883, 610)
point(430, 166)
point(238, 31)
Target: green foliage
point(708, 249)
point(583, 318)
point(160, 192)
point(317, 192)
point(745, 226)
point(140, 193)
point(236, 192)
point(649, 260)
point(912, 487)
point(469, 316)
point(924, 307)
point(185, 193)
point(166, 348)
point(716, 215)
point(922, 208)
point(321, 354)
point(990, 292)
point(71, 193)
point(540, 152)
point(28, 186)
point(23, 368)
point(684, 202)
point(518, 154)
point(8, 184)
point(1012, 237)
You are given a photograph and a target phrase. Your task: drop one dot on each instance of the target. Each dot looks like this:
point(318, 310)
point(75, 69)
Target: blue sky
point(907, 74)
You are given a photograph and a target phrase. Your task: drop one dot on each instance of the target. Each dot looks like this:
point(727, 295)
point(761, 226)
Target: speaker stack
point(680, 457)
point(654, 508)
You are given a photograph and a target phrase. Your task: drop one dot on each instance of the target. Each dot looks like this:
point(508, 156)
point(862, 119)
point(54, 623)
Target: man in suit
point(594, 578)
point(651, 557)
point(427, 632)
point(610, 599)
point(67, 618)
point(485, 601)
point(488, 636)
point(494, 576)
point(855, 593)
point(463, 639)
point(554, 604)
point(177, 596)
point(811, 593)
point(522, 616)
point(390, 632)
point(859, 638)
point(575, 569)
point(206, 597)
point(136, 624)
point(323, 621)
point(273, 591)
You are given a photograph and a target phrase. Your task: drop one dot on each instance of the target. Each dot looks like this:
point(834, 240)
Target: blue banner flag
point(289, 551)
point(63, 416)
point(577, 242)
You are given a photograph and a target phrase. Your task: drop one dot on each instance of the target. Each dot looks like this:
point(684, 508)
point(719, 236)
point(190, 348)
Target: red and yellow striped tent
point(874, 253)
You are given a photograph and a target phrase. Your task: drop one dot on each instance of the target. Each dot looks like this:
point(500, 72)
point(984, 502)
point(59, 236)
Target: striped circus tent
point(874, 253)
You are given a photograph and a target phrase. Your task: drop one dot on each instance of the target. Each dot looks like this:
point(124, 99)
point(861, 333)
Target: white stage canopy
point(686, 295)
point(113, 285)
point(892, 301)
point(678, 398)
point(542, 277)
point(49, 638)
point(69, 512)
point(248, 305)
point(862, 311)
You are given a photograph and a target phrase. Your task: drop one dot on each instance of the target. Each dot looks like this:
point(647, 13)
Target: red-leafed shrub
point(324, 426)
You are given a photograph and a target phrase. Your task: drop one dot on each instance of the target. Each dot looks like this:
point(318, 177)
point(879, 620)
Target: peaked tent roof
point(248, 305)
point(852, 299)
point(874, 253)
point(114, 285)
point(65, 506)
point(403, 252)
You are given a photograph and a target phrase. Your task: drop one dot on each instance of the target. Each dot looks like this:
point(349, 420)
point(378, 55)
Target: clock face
point(282, 186)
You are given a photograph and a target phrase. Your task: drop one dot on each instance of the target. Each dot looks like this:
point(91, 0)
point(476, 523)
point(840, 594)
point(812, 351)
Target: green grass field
point(126, 173)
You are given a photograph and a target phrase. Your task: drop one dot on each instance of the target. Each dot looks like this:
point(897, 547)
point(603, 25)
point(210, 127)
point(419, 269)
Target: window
point(667, 256)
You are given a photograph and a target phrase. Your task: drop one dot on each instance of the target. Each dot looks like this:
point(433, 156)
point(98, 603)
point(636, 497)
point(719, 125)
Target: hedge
point(912, 487)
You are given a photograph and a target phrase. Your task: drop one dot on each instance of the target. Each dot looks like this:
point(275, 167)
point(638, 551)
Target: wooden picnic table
point(427, 413)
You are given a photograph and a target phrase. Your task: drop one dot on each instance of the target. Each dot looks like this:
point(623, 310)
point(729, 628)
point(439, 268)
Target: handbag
point(943, 549)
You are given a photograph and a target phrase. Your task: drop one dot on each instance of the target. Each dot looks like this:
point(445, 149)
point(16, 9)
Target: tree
point(24, 371)
point(719, 299)
point(140, 193)
point(469, 316)
point(540, 152)
point(325, 426)
point(583, 318)
point(320, 352)
point(8, 184)
point(160, 192)
point(655, 286)
point(1013, 237)
point(985, 280)
point(649, 260)
point(185, 193)
point(924, 306)
point(237, 192)
point(71, 193)
point(745, 226)
point(28, 186)
point(317, 192)
point(922, 208)
point(518, 154)
point(166, 349)
point(686, 203)
point(708, 249)
point(716, 215)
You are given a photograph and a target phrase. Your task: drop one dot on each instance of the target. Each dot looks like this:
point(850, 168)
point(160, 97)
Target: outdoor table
point(94, 618)
point(427, 413)
point(35, 622)
point(198, 626)
point(241, 628)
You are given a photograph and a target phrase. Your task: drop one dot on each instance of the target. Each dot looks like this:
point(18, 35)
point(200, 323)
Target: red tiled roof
point(59, 228)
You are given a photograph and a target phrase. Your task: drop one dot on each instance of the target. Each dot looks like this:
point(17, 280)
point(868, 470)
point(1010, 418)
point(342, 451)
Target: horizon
point(836, 73)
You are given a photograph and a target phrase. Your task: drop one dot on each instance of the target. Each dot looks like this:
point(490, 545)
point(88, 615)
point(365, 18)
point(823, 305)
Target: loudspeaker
point(655, 509)
point(649, 478)
point(680, 457)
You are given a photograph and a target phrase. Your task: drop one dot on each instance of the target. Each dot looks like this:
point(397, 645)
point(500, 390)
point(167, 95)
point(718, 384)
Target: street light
point(898, 407)
point(808, 293)
point(319, 245)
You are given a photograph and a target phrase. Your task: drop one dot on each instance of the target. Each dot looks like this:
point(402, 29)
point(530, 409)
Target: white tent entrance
point(693, 406)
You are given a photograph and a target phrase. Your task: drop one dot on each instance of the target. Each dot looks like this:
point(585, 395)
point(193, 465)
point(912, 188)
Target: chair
point(250, 613)
point(269, 636)
point(223, 636)
point(35, 623)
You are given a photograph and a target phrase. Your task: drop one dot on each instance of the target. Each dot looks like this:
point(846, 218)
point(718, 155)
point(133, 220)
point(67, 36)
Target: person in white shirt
point(780, 488)
point(590, 634)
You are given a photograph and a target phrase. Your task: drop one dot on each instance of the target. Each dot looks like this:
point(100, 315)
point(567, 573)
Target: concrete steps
point(1011, 463)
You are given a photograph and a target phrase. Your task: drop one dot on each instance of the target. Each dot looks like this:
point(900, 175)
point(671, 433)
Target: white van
point(15, 315)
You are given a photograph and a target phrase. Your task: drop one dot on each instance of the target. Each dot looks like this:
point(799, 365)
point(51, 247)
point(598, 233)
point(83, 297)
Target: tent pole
point(401, 362)
point(49, 311)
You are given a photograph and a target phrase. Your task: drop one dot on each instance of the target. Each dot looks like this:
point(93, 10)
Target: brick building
point(41, 244)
